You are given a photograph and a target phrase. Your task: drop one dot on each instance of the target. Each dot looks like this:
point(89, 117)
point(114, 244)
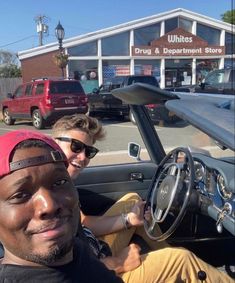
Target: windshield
point(114, 150)
point(63, 87)
point(184, 134)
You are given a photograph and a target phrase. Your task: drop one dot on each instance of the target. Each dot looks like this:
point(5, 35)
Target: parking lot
point(114, 148)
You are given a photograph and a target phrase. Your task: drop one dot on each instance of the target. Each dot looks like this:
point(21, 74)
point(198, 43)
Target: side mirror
point(134, 150)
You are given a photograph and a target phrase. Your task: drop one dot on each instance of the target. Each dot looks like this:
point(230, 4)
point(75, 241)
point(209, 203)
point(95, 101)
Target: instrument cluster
point(212, 182)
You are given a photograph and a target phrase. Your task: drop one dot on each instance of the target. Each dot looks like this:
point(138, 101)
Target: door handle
point(136, 176)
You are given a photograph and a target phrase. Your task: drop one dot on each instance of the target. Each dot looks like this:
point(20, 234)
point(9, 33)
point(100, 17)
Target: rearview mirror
point(134, 150)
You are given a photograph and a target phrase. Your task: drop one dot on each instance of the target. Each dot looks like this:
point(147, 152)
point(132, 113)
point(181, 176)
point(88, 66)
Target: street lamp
point(59, 33)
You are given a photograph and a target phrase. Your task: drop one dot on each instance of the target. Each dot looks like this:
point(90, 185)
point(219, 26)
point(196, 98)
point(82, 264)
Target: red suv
point(44, 101)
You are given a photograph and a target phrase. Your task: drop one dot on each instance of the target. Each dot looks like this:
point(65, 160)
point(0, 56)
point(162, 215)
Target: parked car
point(220, 81)
point(43, 101)
point(103, 104)
point(195, 169)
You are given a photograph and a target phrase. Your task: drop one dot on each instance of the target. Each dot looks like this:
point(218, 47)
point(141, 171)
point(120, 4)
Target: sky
point(18, 27)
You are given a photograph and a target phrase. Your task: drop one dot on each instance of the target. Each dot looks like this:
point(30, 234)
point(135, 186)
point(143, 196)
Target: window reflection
point(86, 49)
point(117, 45)
point(171, 24)
point(143, 36)
point(209, 34)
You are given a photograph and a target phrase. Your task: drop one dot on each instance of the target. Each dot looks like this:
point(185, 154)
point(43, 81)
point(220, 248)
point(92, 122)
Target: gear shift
point(201, 276)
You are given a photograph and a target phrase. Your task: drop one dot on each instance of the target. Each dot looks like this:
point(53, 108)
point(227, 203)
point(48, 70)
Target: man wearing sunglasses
point(76, 135)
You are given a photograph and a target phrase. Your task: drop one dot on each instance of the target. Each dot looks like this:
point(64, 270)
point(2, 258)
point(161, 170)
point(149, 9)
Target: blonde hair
point(80, 122)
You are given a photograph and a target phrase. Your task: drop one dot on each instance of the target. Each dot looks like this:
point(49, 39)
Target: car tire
point(132, 118)
point(37, 119)
point(8, 120)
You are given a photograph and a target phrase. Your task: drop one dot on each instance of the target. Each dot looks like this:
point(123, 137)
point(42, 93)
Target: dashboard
point(215, 180)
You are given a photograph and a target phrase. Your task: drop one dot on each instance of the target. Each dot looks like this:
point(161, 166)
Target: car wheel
point(7, 118)
point(37, 119)
point(132, 118)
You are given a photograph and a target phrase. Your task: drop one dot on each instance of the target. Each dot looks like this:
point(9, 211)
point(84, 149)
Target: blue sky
point(18, 27)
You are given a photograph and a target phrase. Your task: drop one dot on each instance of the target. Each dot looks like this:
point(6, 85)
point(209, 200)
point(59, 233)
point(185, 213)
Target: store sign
point(178, 43)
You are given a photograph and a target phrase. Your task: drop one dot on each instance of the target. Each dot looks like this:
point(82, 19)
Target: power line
point(14, 42)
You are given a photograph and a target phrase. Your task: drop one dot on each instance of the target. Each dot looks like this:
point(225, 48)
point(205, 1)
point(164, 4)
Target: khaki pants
point(164, 264)
point(120, 240)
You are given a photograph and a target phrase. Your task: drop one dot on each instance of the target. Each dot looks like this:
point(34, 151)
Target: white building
point(179, 47)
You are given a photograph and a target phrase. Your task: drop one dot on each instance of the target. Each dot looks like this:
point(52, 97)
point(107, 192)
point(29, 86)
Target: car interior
point(191, 190)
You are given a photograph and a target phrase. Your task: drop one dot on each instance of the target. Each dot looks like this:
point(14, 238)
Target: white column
point(162, 72)
point(100, 68)
point(194, 28)
point(132, 70)
point(222, 43)
point(194, 70)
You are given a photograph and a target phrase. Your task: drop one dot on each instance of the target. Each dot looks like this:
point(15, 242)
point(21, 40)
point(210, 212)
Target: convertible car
point(185, 173)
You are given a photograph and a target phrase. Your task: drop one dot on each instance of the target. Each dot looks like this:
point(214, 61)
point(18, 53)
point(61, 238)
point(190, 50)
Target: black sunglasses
point(78, 146)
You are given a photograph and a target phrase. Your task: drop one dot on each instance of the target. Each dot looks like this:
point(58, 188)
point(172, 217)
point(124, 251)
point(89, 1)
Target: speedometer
point(223, 191)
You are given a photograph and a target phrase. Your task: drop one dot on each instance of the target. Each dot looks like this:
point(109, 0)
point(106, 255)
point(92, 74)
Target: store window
point(112, 68)
point(229, 63)
point(178, 72)
point(86, 49)
point(185, 24)
point(209, 34)
point(148, 67)
point(86, 71)
point(144, 36)
point(204, 66)
point(116, 45)
point(171, 24)
point(229, 43)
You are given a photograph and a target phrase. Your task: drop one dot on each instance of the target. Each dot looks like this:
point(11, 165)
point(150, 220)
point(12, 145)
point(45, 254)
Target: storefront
point(178, 47)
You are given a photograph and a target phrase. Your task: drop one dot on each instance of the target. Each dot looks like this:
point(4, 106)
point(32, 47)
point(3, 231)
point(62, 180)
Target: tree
point(10, 71)
point(9, 65)
point(229, 17)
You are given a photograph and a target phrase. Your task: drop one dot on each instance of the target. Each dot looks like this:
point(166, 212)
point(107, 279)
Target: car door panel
point(99, 187)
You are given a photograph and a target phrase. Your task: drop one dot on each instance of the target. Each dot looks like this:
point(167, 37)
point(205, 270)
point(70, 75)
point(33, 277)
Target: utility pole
point(42, 28)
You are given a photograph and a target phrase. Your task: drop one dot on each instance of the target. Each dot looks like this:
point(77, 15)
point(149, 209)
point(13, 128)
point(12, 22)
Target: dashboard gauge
point(199, 170)
point(223, 191)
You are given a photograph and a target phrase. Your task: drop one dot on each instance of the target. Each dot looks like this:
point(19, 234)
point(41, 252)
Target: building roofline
point(72, 41)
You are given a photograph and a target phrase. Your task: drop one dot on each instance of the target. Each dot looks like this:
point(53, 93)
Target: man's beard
point(55, 254)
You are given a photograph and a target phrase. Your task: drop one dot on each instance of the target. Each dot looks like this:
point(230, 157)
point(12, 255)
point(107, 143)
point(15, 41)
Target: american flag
point(122, 70)
point(115, 70)
point(109, 72)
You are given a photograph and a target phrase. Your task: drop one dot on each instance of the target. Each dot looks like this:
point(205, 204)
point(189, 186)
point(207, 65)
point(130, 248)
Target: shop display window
point(148, 67)
point(204, 66)
point(86, 71)
point(113, 68)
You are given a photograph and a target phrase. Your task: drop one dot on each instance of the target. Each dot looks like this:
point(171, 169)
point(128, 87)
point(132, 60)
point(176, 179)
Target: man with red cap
point(39, 218)
point(39, 215)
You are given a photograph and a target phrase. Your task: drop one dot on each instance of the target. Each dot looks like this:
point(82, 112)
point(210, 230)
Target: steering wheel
point(169, 192)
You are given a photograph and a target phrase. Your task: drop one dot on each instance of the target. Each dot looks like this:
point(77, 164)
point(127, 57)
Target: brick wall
point(40, 66)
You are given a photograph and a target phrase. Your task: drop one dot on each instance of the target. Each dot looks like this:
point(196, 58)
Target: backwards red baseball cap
point(10, 140)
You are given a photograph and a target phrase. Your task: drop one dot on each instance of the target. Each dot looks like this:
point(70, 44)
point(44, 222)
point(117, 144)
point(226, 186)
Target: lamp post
point(59, 33)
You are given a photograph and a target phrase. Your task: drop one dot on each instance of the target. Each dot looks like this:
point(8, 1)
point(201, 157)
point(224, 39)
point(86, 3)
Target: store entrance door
point(178, 77)
point(178, 72)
